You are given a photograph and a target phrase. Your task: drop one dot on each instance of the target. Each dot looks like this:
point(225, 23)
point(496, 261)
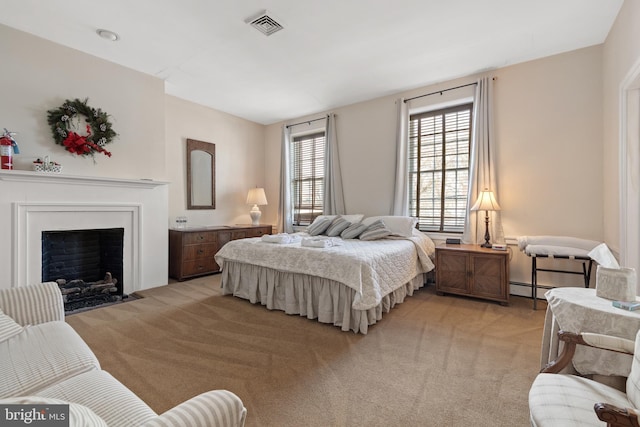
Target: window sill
point(437, 237)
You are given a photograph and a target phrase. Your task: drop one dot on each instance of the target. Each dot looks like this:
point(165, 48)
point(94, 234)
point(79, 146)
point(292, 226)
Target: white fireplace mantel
point(53, 178)
point(33, 202)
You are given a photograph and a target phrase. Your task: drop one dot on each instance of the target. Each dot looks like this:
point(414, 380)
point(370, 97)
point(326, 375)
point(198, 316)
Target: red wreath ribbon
point(78, 144)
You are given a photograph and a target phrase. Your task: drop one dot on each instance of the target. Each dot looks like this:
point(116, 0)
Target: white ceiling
point(330, 53)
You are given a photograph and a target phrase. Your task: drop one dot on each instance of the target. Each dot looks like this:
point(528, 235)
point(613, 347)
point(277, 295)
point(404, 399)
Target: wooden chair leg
point(616, 417)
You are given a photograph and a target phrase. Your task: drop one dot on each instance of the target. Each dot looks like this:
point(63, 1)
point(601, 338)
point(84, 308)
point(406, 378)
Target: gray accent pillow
point(337, 226)
point(353, 231)
point(319, 227)
point(375, 231)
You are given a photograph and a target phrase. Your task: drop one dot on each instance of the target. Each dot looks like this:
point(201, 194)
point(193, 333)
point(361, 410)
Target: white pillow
point(79, 415)
point(8, 327)
point(398, 225)
point(351, 218)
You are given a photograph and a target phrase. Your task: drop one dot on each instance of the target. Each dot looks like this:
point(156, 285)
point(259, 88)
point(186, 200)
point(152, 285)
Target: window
point(439, 143)
point(307, 177)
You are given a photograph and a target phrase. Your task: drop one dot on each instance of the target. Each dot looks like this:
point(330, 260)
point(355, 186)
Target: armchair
point(570, 400)
point(44, 361)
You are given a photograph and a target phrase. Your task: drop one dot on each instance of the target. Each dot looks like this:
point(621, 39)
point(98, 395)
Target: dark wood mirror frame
point(195, 176)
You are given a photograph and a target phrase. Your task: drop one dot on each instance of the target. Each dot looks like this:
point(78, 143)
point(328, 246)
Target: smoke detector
point(264, 23)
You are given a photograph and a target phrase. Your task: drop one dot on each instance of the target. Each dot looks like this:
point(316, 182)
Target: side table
point(473, 271)
point(580, 310)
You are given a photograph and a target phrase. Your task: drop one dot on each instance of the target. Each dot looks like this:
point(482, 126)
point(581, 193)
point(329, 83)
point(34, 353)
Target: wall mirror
point(201, 175)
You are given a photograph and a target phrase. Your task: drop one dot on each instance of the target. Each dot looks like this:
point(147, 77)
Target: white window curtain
point(333, 199)
point(401, 189)
point(482, 173)
point(285, 207)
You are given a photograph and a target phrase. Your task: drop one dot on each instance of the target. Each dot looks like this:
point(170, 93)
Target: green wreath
point(98, 129)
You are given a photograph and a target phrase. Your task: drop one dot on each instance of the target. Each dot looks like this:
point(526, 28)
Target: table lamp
point(486, 202)
point(256, 197)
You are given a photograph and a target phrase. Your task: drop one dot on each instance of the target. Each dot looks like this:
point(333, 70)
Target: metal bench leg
point(587, 273)
point(534, 283)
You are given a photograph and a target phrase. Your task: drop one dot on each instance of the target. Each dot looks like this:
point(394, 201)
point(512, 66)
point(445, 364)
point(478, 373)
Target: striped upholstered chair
point(569, 400)
point(44, 361)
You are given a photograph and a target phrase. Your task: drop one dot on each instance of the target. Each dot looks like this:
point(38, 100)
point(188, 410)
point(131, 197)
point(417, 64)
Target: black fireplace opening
point(86, 264)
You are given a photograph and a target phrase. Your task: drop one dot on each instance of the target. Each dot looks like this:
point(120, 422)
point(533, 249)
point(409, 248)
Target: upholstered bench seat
point(562, 247)
point(567, 400)
point(551, 251)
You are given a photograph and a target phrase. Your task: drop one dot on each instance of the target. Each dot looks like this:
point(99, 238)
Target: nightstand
point(473, 271)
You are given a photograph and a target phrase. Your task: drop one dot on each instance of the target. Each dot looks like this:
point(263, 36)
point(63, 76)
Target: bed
point(349, 283)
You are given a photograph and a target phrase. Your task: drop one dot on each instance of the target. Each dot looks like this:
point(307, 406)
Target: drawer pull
point(200, 251)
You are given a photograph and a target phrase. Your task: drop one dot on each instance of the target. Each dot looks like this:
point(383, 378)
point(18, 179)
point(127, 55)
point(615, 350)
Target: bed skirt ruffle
point(314, 297)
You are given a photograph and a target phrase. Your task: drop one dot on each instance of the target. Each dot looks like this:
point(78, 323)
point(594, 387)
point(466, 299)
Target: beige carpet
point(433, 361)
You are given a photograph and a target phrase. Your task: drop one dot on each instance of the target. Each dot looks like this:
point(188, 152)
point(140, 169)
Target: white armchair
point(570, 400)
point(43, 360)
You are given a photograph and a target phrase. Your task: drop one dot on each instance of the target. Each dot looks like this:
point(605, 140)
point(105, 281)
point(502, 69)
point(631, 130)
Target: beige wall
point(240, 161)
point(548, 116)
point(548, 126)
point(38, 75)
point(556, 133)
point(620, 53)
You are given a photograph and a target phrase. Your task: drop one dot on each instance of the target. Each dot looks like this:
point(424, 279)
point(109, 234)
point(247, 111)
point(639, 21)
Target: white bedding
point(372, 269)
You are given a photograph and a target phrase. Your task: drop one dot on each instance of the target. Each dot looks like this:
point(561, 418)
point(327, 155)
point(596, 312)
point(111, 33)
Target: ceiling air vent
point(264, 23)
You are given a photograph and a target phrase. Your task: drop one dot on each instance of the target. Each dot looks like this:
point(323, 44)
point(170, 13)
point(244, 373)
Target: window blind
point(439, 146)
point(307, 174)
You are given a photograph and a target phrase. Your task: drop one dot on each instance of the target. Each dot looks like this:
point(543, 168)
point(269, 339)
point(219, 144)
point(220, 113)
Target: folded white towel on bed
point(281, 238)
point(320, 242)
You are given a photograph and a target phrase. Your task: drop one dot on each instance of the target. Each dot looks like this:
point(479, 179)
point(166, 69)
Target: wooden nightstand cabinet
point(473, 271)
point(191, 250)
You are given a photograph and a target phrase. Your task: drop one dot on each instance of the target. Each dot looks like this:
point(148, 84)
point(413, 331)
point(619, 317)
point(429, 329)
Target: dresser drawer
point(258, 232)
point(205, 250)
point(199, 237)
point(199, 266)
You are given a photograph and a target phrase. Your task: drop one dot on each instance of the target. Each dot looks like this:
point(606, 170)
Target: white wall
point(240, 161)
point(556, 134)
point(620, 53)
point(548, 121)
point(38, 75)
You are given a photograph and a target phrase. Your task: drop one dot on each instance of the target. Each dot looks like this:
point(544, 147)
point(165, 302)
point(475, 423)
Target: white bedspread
point(371, 268)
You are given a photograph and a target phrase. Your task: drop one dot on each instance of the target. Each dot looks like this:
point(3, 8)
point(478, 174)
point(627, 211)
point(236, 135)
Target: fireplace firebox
point(86, 264)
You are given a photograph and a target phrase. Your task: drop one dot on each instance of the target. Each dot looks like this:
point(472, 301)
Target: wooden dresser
point(191, 249)
point(473, 271)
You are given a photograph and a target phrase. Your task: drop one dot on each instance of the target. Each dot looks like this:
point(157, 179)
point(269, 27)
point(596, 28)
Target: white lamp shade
point(486, 202)
point(256, 196)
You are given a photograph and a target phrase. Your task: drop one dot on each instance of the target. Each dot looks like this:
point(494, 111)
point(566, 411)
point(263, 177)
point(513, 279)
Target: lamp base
point(486, 243)
point(255, 215)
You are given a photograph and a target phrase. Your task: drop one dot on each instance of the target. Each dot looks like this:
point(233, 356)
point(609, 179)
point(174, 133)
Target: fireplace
point(86, 264)
point(32, 203)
